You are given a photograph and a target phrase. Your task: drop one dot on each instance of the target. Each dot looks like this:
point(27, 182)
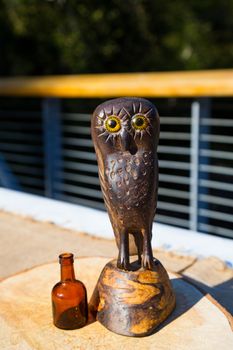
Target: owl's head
point(125, 125)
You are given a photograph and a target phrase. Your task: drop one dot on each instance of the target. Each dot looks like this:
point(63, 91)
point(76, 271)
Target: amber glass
point(69, 297)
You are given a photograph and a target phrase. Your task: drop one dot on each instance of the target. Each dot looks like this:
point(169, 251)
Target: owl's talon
point(147, 262)
point(123, 264)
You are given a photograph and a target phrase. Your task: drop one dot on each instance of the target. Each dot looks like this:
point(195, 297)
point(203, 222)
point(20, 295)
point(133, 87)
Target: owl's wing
point(156, 191)
point(104, 188)
point(103, 182)
point(108, 203)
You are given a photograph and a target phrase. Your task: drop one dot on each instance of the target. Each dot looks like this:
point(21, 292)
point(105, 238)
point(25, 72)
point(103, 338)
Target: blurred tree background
point(39, 37)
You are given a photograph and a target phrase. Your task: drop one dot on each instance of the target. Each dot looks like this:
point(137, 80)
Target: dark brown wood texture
point(132, 303)
point(125, 133)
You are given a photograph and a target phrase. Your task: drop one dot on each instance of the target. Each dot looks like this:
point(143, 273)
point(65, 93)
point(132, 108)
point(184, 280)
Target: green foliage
point(85, 36)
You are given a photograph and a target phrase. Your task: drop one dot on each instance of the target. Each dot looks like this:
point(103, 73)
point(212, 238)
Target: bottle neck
point(67, 272)
point(67, 267)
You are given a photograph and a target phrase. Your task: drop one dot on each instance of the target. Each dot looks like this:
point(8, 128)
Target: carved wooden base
point(133, 303)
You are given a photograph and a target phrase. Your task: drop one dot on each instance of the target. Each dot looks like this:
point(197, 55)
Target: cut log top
point(26, 316)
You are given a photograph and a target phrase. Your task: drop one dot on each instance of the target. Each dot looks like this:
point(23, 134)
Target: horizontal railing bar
point(220, 104)
point(216, 154)
point(216, 200)
point(174, 135)
point(81, 201)
point(173, 193)
point(175, 120)
point(216, 229)
point(77, 116)
point(93, 180)
point(174, 179)
point(15, 135)
point(217, 185)
point(217, 122)
point(16, 125)
point(23, 158)
point(19, 114)
point(84, 191)
point(91, 168)
point(172, 221)
point(17, 147)
point(217, 215)
point(149, 84)
point(79, 154)
point(174, 165)
point(174, 150)
point(216, 169)
point(173, 207)
point(216, 138)
point(30, 180)
point(31, 189)
point(77, 142)
point(84, 130)
point(26, 169)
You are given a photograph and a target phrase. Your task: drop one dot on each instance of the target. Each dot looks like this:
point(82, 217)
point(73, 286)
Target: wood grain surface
point(133, 303)
point(26, 317)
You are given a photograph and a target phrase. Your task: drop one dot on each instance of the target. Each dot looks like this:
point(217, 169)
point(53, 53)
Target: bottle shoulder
point(69, 287)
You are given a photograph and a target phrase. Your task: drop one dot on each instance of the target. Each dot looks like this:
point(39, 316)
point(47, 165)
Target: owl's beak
point(128, 143)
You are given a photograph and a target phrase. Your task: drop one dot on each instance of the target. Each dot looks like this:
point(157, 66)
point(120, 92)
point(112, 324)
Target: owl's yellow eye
point(139, 122)
point(112, 124)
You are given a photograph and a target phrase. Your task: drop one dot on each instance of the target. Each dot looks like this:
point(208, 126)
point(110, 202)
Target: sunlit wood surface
point(26, 316)
point(162, 84)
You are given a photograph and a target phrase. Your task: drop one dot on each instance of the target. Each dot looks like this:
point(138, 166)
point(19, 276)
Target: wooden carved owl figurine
point(125, 133)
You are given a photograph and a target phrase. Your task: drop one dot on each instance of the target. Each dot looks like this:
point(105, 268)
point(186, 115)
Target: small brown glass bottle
point(69, 297)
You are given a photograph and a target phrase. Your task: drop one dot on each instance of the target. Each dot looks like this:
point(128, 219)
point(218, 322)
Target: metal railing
point(46, 148)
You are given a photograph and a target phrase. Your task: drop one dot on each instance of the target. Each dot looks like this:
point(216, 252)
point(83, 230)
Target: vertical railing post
point(51, 113)
point(199, 109)
point(194, 160)
point(204, 144)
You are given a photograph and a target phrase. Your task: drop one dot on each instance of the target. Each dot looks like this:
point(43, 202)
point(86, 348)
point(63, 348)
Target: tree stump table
point(26, 316)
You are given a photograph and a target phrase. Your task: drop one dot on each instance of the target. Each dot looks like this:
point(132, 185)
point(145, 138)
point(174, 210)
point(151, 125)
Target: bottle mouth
point(65, 257)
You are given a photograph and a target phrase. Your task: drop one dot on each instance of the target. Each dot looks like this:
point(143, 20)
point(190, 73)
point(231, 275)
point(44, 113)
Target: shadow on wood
point(221, 295)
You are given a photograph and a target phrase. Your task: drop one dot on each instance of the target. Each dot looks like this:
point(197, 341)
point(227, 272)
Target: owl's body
point(129, 190)
point(128, 171)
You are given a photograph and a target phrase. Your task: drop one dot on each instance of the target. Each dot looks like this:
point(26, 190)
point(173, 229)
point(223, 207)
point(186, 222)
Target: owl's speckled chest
point(129, 179)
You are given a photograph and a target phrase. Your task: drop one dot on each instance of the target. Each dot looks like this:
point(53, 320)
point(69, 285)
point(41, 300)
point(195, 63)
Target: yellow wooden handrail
point(162, 84)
